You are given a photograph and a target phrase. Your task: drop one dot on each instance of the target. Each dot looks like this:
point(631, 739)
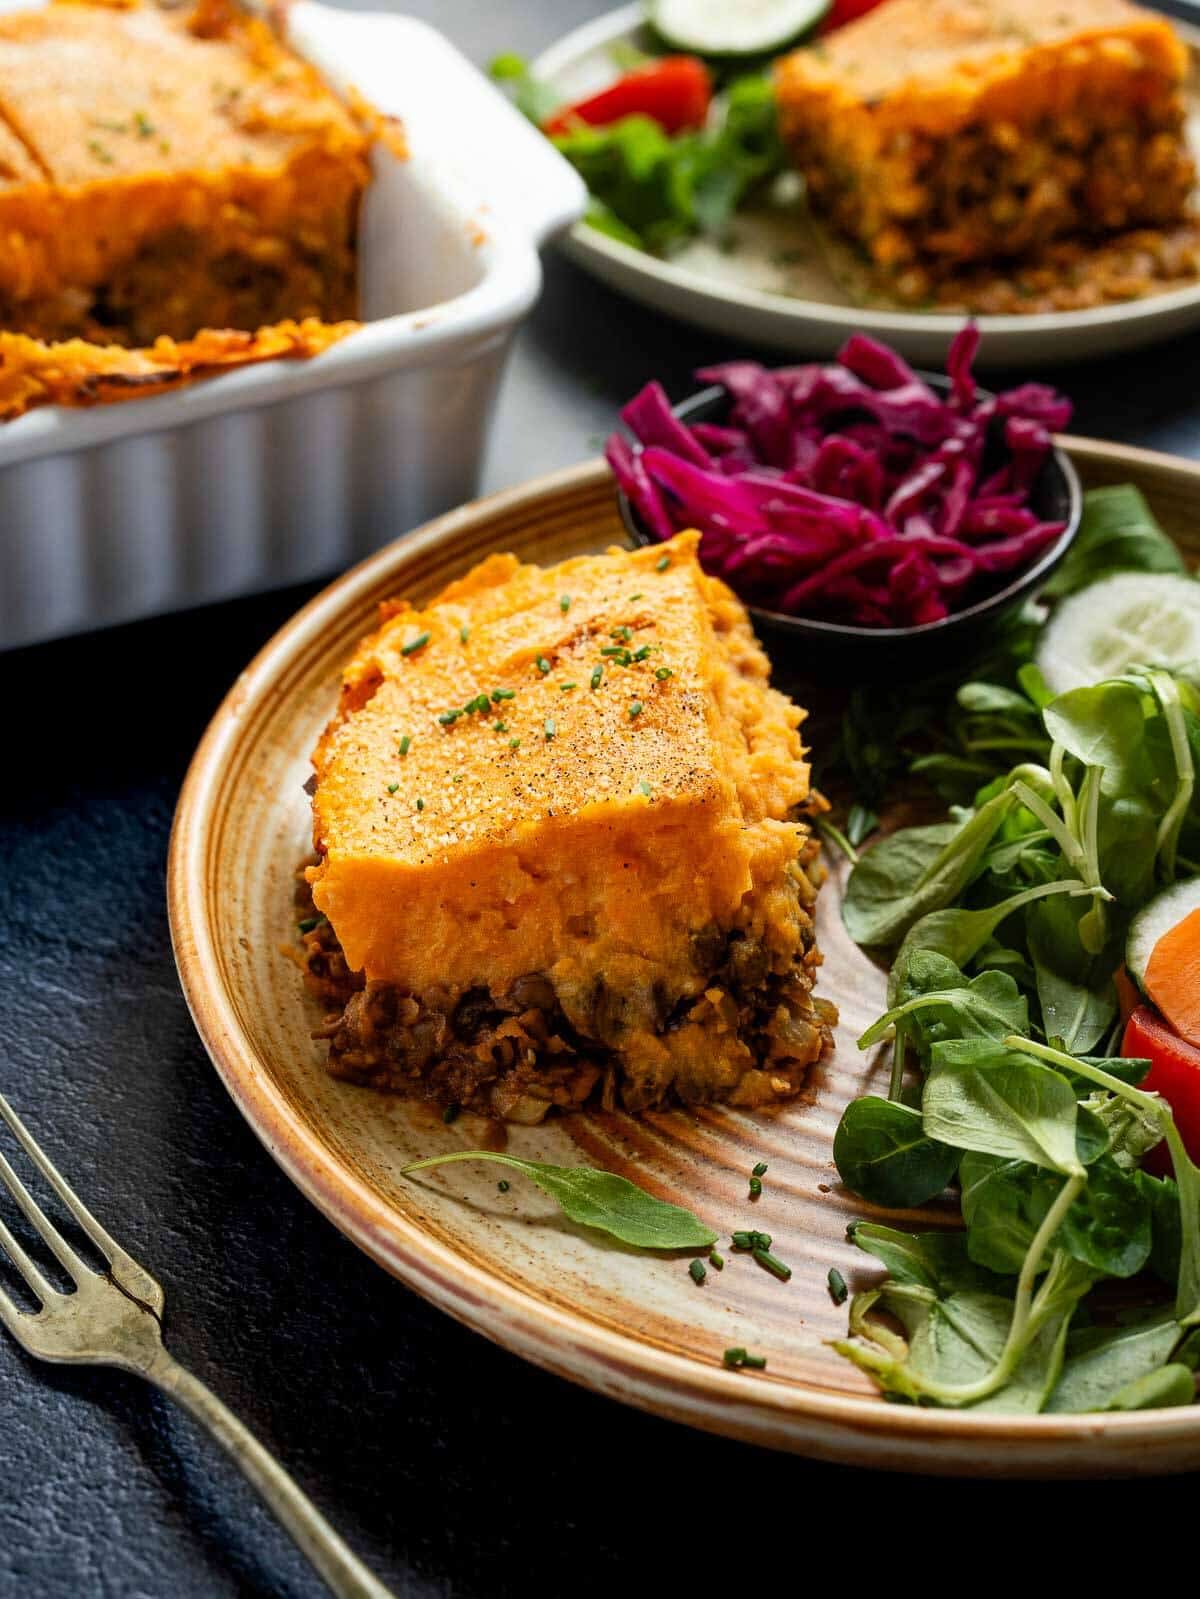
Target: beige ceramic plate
point(627, 1325)
point(777, 285)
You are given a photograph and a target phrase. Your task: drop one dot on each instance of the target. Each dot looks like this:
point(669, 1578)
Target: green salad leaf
point(656, 190)
point(1101, 1362)
point(1006, 924)
point(1118, 533)
point(883, 1153)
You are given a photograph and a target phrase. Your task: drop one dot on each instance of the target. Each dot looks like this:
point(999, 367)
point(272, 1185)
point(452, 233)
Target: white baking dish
point(279, 473)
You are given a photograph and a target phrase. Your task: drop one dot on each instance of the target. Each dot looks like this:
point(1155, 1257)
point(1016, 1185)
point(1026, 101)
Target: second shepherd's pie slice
point(943, 132)
point(561, 847)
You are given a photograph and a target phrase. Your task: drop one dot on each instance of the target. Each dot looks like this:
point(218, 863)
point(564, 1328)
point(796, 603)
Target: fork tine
point(27, 1267)
point(53, 1239)
point(126, 1270)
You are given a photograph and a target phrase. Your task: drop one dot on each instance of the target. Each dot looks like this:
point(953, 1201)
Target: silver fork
point(115, 1319)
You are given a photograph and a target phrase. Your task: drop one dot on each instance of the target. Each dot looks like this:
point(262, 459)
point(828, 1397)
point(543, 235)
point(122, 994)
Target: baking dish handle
point(451, 113)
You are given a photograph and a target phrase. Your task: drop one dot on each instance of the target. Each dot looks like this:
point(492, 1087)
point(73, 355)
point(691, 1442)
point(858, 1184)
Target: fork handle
point(343, 1571)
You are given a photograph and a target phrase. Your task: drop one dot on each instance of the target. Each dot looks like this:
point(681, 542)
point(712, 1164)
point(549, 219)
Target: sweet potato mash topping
point(166, 174)
point(579, 775)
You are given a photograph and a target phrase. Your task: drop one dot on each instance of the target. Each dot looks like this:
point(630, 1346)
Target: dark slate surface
point(453, 1467)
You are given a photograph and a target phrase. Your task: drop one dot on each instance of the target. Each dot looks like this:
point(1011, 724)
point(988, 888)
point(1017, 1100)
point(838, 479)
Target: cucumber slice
point(1164, 911)
point(1130, 619)
point(733, 27)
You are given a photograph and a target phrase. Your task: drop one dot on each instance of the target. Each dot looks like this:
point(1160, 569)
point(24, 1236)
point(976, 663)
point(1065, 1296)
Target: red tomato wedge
point(1174, 1073)
point(1173, 976)
point(675, 92)
point(843, 11)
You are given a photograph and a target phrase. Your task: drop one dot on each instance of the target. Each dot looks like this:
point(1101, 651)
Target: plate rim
point(587, 247)
point(861, 1430)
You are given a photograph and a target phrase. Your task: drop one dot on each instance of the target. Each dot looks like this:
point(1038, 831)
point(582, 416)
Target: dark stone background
point(454, 1468)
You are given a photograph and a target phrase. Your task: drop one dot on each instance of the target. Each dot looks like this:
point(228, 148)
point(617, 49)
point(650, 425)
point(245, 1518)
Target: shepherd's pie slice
point(942, 132)
point(560, 843)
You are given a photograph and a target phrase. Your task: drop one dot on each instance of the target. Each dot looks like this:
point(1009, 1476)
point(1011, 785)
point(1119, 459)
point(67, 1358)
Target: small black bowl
point(1056, 496)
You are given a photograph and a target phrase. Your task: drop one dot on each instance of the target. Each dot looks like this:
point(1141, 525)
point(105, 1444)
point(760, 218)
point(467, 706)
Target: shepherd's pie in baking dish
point(941, 133)
point(178, 191)
point(561, 847)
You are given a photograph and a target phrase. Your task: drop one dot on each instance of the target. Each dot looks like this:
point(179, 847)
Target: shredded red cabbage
point(851, 492)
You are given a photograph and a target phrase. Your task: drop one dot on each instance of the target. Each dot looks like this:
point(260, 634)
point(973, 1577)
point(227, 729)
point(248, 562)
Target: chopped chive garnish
point(773, 1264)
point(615, 650)
point(542, 664)
point(457, 778)
point(740, 1357)
point(499, 694)
point(641, 654)
point(502, 1185)
point(597, 676)
point(392, 787)
point(451, 1113)
point(309, 922)
point(143, 124)
point(499, 727)
point(448, 718)
point(662, 563)
point(514, 743)
point(662, 673)
point(550, 729)
point(564, 603)
point(645, 788)
point(625, 633)
point(566, 687)
point(837, 1286)
point(751, 1240)
point(717, 1262)
point(405, 744)
point(761, 1169)
point(464, 632)
point(697, 1272)
point(635, 709)
point(420, 804)
point(755, 1187)
point(633, 597)
point(415, 644)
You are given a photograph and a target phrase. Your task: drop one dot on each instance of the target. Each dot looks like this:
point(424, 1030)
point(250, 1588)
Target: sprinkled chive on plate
point(671, 1331)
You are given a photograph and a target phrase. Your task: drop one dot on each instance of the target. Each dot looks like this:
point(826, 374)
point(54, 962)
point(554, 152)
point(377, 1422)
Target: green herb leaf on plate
point(598, 1199)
